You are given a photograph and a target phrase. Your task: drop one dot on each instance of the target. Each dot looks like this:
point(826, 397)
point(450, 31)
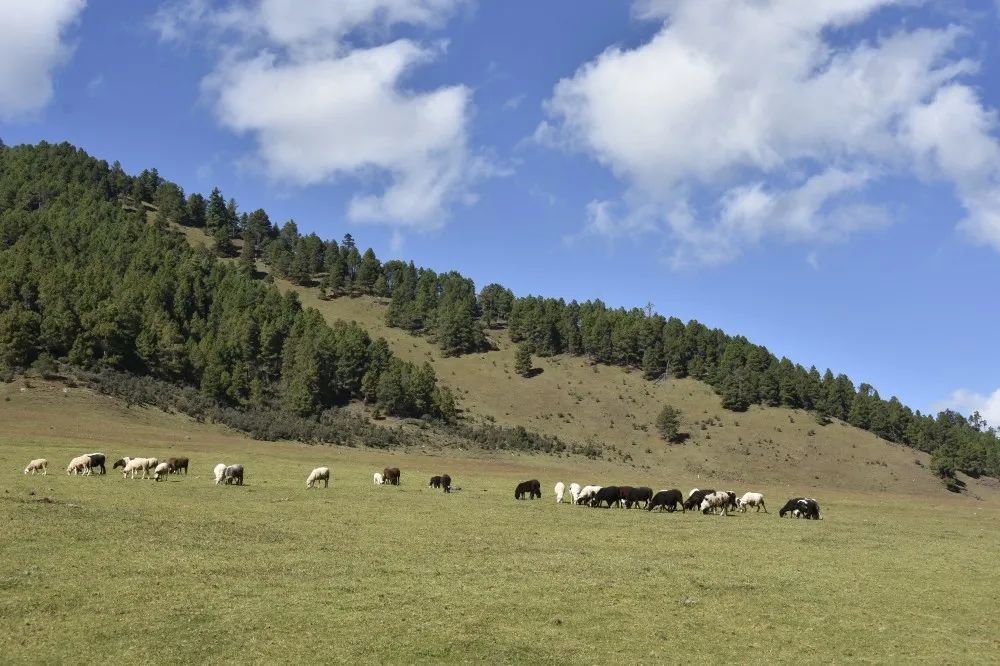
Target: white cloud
point(32, 44)
point(321, 109)
point(513, 103)
point(741, 122)
point(966, 402)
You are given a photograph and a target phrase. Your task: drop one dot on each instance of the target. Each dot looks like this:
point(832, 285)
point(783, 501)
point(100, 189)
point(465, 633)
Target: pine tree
point(495, 303)
point(223, 242)
point(769, 387)
point(18, 332)
point(368, 271)
point(215, 211)
point(522, 359)
point(652, 363)
point(737, 394)
point(196, 210)
point(668, 423)
point(299, 268)
point(247, 255)
point(170, 204)
point(444, 404)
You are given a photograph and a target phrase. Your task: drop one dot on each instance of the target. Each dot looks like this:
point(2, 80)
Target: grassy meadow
point(106, 569)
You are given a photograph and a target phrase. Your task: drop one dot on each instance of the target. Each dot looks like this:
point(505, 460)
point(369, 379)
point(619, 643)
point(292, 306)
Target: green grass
point(135, 571)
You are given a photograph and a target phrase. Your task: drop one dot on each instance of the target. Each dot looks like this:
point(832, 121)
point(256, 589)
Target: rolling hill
point(93, 281)
point(582, 402)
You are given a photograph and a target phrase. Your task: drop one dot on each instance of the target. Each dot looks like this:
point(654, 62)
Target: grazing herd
point(719, 502)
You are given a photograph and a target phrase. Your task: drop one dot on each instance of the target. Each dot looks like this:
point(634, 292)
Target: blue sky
point(822, 177)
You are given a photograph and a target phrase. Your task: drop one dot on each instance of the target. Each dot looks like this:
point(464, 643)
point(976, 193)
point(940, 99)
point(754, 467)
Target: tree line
point(86, 280)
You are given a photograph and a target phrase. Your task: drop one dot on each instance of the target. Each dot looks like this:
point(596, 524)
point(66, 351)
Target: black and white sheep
point(586, 494)
point(97, 462)
point(717, 500)
point(233, 475)
point(694, 499)
point(801, 507)
point(160, 471)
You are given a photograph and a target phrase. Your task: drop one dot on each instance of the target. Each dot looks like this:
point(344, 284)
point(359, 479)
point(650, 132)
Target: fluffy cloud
point(322, 110)
point(32, 44)
point(739, 122)
point(966, 402)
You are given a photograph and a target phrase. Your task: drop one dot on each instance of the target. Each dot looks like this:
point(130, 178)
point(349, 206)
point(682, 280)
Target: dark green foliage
point(170, 204)
point(522, 359)
point(495, 303)
point(196, 207)
point(223, 242)
point(85, 281)
point(668, 423)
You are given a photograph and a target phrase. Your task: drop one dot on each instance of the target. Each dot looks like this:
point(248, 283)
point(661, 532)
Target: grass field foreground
point(137, 571)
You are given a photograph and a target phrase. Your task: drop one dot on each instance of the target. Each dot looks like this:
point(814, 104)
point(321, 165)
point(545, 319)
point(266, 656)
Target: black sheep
point(530, 488)
point(636, 495)
point(669, 499)
point(610, 494)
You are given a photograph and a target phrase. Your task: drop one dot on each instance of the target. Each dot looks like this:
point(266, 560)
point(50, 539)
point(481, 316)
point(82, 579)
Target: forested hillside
point(85, 280)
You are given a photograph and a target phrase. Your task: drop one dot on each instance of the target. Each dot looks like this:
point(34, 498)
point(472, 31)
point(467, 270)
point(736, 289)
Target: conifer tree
point(522, 359)
point(196, 210)
point(247, 254)
point(223, 242)
point(215, 211)
point(668, 423)
point(652, 363)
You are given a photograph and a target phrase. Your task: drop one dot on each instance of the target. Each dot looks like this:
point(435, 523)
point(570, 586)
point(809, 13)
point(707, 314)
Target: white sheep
point(377, 477)
point(79, 465)
point(161, 470)
point(574, 491)
point(560, 489)
point(317, 475)
point(38, 465)
point(751, 499)
point(134, 466)
point(716, 500)
point(219, 470)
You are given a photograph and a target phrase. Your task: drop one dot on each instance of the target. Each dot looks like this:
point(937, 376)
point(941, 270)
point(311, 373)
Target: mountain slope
point(577, 401)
